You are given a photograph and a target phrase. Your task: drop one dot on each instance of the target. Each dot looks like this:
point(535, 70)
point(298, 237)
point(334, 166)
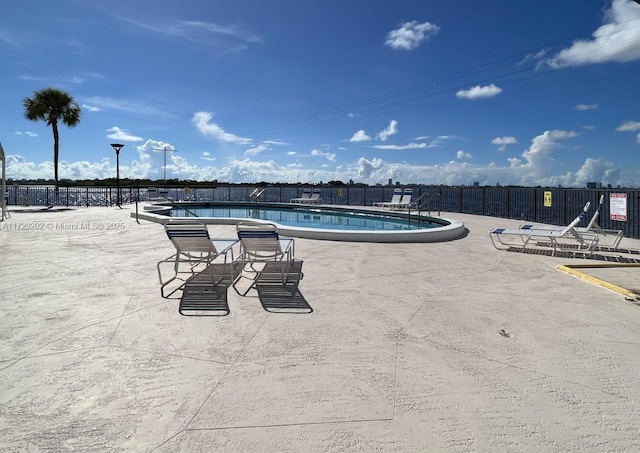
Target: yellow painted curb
point(570, 269)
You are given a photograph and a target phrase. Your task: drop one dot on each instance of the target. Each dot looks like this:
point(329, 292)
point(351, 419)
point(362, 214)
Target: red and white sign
point(618, 206)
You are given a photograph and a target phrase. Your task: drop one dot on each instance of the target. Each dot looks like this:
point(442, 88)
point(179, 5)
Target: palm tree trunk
point(56, 137)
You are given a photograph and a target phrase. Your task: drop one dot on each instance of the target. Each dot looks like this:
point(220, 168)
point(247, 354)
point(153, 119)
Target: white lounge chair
point(263, 254)
point(613, 237)
point(306, 195)
point(405, 202)
point(314, 198)
point(568, 238)
point(195, 252)
point(395, 199)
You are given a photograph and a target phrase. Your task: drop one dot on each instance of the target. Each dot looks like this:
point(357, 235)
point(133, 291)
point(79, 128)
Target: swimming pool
point(339, 223)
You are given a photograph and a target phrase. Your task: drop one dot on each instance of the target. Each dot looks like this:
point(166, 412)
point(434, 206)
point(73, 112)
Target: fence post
point(484, 200)
point(564, 206)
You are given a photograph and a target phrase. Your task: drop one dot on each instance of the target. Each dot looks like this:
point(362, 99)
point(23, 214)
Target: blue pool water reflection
point(320, 218)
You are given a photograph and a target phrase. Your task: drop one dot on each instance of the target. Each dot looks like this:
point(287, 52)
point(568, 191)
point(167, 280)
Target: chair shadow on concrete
point(614, 258)
point(283, 299)
point(203, 295)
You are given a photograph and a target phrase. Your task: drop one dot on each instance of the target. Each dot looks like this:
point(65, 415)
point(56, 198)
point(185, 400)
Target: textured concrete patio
point(403, 351)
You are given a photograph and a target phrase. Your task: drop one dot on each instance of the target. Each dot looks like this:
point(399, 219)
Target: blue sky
point(434, 92)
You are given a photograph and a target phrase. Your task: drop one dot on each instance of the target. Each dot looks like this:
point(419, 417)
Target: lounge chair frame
point(613, 237)
point(263, 254)
point(306, 195)
point(195, 253)
point(569, 238)
point(395, 200)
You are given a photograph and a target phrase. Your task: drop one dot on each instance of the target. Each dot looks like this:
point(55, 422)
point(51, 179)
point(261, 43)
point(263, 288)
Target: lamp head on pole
point(117, 147)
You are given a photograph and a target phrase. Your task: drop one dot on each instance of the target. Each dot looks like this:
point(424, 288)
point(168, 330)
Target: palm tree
point(52, 105)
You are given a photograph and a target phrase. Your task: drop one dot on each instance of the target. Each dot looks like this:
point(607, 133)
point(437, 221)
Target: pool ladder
point(421, 201)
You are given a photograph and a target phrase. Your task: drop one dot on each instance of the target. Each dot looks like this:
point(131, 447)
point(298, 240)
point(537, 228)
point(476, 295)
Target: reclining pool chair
point(263, 254)
point(306, 195)
point(195, 252)
point(614, 237)
point(569, 238)
point(406, 200)
point(314, 198)
point(395, 199)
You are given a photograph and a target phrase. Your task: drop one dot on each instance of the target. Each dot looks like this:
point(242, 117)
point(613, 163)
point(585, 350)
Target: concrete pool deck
point(451, 346)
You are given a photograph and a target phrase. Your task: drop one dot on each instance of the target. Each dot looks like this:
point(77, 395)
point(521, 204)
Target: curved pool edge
point(454, 230)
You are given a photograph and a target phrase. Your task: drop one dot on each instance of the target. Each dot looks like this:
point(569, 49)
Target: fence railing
point(556, 206)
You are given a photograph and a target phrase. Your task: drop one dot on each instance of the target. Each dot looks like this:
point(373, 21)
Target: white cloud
point(122, 134)
point(275, 142)
point(390, 130)
point(206, 128)
point(206, 155)
point(629, 126)
point(538, 160)
point(256, 150)
point(615, 41)
point(584, 107)
point(360, 136)
point(538, 165)
point(461, 155)
point(104, 103)
point(503, 142)
point(410, 35)
point(329, 156)
point(91, 108)
point(412, 145)
point(228, 38)
point(291, 153)
point(479, 92)
point(27, 133)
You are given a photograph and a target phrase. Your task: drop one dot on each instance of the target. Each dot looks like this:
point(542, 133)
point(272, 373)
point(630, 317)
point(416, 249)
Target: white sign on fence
point(618, 206)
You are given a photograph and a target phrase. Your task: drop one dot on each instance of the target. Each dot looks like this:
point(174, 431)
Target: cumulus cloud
point(538, 158)
point(614, 41)
point(503, 142)
point(410, 35)
point(461, 155)
point(479, 92)
point(366, 168)
point(329, 156)
point(202, 121)
point(122, 135)
point(629, 126)
point(360, 136)
point(538, 165)
point(390, 130)
point(584, 107)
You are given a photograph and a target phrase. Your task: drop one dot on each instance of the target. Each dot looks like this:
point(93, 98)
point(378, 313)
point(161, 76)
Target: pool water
point(308, 218)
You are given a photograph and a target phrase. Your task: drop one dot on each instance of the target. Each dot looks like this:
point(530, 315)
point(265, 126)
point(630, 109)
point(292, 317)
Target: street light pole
point(117, 147)
point(165, 150)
